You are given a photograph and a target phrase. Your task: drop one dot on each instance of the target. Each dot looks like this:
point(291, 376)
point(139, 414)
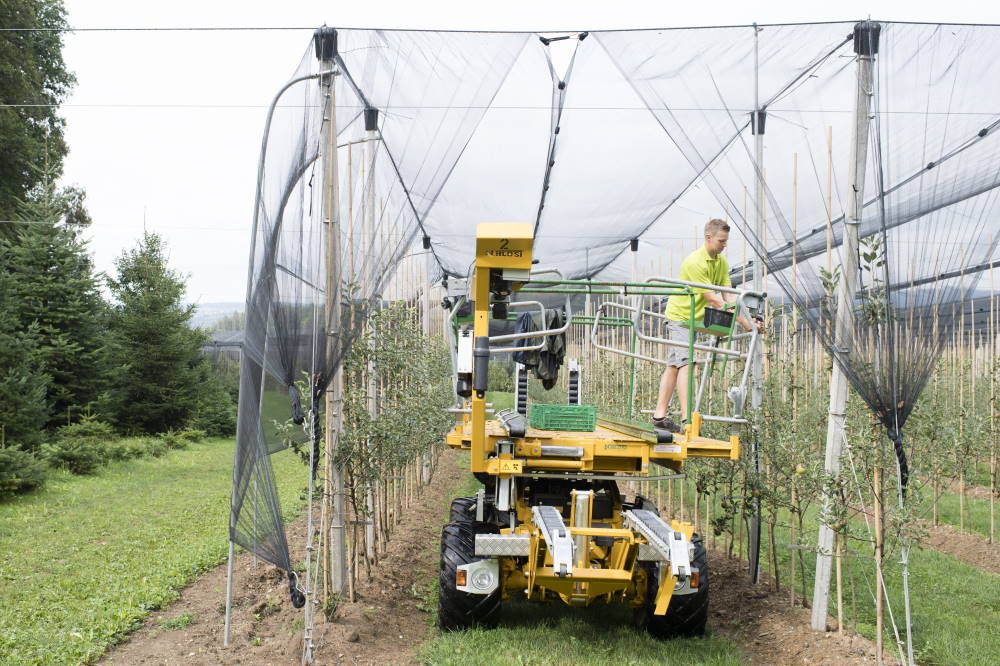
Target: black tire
point(459, 610)
point(462, 508)
point(686, 615)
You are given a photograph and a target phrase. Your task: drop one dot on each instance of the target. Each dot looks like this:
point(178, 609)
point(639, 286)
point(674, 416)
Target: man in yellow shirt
point(705, 265)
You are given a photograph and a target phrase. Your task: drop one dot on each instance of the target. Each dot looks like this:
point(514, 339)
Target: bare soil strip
point(972, 490)
point(972, 549)
point(392, 616)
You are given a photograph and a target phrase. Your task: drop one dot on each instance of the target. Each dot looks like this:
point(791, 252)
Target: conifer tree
point(34, 81)
point(156, 357)
point(23, 382)
point(55, 290)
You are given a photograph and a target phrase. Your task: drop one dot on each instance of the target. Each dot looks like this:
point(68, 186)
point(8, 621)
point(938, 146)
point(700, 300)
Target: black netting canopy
point(603, 137)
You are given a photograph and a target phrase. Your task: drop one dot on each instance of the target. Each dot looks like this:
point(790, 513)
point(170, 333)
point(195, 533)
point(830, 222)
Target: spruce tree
point(156, 356)
point(55, 290)
point(34, 81)
point(23, 382)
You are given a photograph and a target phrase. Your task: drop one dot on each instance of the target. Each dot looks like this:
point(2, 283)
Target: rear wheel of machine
point(456, 609)
point(686, 615)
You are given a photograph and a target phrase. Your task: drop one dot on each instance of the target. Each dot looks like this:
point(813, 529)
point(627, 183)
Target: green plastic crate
point(580, 418)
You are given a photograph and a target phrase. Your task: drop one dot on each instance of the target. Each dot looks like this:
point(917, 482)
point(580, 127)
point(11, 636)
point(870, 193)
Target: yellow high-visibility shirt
point(698, 267)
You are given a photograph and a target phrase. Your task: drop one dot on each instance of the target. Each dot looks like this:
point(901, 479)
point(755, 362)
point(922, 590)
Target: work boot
point(665, 423)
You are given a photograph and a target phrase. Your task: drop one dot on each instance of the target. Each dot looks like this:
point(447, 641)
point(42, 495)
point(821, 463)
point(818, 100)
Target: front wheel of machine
point(686, 615)
point(459, 610)
point(462, 509)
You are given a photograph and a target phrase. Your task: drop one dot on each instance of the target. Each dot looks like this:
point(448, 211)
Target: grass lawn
point(85, 559)
point(977, 512)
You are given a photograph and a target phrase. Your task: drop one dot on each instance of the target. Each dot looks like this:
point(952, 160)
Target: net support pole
point(866, 34)
point(757, 365)
point(336, 555)
point(229, 596)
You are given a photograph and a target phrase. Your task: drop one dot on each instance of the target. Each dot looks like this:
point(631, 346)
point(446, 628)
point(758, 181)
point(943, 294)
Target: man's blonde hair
point(714, 226)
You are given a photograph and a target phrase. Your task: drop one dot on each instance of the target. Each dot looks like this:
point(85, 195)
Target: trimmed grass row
point(84, 560)
point(955, 607)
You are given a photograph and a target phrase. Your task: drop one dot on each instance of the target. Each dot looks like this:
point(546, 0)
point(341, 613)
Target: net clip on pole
point(371, 119)
point(325, 40)
point(427, 242)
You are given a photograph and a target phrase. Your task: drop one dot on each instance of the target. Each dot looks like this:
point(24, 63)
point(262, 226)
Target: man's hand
point(757, 321)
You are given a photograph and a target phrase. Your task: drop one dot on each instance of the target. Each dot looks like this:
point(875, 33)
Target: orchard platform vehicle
point(553, 523)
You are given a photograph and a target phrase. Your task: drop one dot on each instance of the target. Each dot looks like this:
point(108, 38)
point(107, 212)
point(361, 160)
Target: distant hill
point(208, 315)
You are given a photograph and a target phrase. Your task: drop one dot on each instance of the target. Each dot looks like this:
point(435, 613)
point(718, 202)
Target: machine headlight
point(483, 579)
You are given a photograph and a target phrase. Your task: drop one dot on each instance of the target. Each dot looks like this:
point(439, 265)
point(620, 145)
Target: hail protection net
point(604, 137)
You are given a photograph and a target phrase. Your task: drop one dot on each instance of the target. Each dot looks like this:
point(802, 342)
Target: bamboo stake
point(840, 584)
point(993, 411)
point(879, 599)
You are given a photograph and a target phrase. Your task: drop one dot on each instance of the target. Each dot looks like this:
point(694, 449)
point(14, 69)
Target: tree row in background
point(76, 369)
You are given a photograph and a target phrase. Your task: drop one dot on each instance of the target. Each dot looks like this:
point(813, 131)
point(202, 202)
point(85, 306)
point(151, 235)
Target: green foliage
point(154, 447)
point(33, 74)
point(192, 435)
point(90, 428)
point(54, 289)
point(19, 472)
point(79, 456)
point(156, 357)
point(82, 447)
point(501, 376)
point(398, 387)
point(92, 556)
point(215, 410)
point(182, 621)
point(173, 440)
point(23, 381)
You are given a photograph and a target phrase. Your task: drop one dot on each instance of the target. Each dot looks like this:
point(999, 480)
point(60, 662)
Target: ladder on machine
point(722, 349)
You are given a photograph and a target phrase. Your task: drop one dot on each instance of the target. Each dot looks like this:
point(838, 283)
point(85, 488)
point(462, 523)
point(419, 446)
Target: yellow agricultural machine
point(552, 522)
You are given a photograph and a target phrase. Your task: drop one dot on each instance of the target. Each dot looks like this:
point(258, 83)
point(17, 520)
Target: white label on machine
point(464, 357)
point(666, 448)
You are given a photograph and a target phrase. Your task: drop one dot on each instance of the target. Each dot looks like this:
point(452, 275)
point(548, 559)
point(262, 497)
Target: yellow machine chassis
point(614, 449)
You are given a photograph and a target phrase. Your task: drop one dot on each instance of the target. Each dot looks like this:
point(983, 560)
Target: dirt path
point(385, 626)
point(393, 616)
point(768, 629)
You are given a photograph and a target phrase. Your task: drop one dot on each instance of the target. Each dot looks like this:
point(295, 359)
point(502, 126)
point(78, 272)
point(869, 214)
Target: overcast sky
point(164, 128)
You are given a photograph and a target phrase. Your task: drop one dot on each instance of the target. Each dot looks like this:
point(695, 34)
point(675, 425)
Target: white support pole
point(336, 551)
point(371, 145)
point(866, 35)
point(757, 362)
point(229, 596)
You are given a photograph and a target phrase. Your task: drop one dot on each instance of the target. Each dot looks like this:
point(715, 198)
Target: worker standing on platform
point(706, 265)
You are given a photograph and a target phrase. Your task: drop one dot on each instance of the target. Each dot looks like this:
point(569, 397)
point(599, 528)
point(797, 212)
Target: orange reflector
point(460, 577)
point(695, 576)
